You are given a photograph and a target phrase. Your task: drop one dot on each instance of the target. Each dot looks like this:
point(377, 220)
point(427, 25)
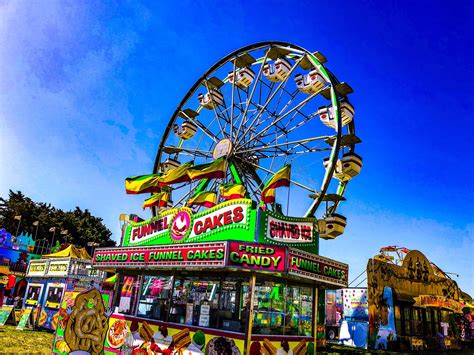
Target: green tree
point(81, 226)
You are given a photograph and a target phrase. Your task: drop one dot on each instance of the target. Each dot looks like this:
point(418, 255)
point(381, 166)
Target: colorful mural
point(82, 323)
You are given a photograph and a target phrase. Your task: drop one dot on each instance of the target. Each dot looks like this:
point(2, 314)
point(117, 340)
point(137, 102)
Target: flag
point(142, 184)
point(268, 196)
point(204, 198)
point(232, 191)
point(160, 200)
point(52, 229)
point(17, 217)
point(280, 178)
point(124, 217)
point(35, 223)
point(176, 175)
point(64, 231)
point(214, 170)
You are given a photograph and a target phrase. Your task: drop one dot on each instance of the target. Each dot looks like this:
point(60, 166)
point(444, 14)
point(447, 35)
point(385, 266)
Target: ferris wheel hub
point(223, 148)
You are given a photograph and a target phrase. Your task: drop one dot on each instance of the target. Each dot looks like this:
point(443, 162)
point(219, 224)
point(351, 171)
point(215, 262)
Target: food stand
point(51, 277)
point(234, 276)
point(414, 305)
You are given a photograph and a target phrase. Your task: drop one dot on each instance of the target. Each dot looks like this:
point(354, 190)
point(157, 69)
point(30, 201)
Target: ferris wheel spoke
point(309, 150)
point(301, 104)
point(186, 196)
point(283, 90)
point(205, 130)
point(224, 116)
point(232, 102)
point(214, 108)
point(287, 131)
point(249, 98)
point(291, 180)
point(296, 143)
point(283, 82)
point(181, 150)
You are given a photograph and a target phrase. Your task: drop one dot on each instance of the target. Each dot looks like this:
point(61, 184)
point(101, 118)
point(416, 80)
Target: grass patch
point(26, 341)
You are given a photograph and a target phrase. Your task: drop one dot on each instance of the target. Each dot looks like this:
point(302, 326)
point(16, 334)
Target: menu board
point(204, 315)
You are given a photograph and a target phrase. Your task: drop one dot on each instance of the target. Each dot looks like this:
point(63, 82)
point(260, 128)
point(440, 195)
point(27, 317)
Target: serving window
point(282, 309)
point(154, 297)
point(219, 301)
point(128, 289)
point(195, 301)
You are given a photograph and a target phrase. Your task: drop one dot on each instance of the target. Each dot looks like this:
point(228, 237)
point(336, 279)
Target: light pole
point(52, 229)
point(64, 232)
point(36, 223)
point(93, 245)
point(18, 218)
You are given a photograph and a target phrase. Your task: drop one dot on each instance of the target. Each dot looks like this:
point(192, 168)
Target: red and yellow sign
point(439, 302)
point(256, 256)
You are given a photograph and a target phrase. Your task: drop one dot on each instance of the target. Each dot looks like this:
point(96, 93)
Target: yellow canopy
point(111, 279)
point(70, 252)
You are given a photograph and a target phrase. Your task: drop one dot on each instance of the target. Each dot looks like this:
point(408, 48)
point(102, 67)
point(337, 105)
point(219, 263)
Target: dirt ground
point(14, 341)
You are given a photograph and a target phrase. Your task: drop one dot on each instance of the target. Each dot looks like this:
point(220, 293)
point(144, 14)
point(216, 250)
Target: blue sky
point(86, 89)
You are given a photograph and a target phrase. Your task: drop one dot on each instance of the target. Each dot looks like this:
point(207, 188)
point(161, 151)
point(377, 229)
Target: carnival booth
point(188, 278)
point(50, 277)
point(414, 305)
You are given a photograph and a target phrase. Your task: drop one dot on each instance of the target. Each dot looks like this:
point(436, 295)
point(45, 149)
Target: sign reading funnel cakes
point(181, 225)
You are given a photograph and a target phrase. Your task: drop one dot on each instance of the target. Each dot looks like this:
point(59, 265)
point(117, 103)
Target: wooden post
point(248, 340)
point(315, 319)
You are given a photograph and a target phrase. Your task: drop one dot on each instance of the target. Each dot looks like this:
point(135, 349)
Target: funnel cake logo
point(181, 225)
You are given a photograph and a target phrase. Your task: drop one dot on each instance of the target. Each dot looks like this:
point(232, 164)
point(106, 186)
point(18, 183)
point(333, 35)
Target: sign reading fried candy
point(256, 256)
point(210, 254)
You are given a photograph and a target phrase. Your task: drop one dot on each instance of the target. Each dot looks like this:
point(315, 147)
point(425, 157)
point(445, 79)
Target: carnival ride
point(237, 265)
point(258, 109)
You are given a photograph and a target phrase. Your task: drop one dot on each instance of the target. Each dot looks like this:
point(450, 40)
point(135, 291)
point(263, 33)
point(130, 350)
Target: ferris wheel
point(263, 107)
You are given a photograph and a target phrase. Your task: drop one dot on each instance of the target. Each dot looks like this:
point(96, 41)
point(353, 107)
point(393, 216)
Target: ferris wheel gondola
point(257, 108)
